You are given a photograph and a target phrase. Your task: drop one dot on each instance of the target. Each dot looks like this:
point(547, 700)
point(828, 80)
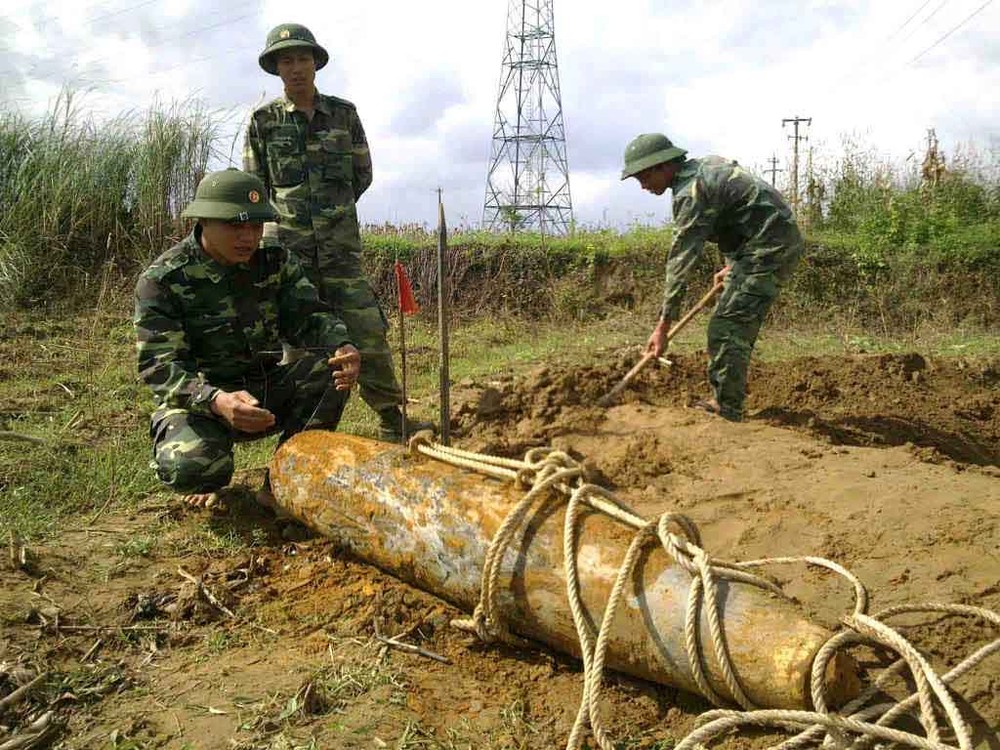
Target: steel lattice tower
point(527, 185)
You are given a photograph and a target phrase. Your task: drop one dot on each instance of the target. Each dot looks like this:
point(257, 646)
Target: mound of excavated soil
point(944, 408)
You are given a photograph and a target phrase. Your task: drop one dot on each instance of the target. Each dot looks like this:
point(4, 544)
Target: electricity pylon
point(527, 184)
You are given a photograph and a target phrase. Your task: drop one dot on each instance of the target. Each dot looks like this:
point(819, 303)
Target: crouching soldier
point(211, 314)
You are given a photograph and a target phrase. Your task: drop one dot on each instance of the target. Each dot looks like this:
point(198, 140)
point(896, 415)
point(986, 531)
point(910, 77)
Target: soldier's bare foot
point(207, 500)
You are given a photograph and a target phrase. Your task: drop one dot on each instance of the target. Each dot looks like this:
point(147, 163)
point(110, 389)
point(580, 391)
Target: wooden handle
point(699, 306)
point(648, 357)
point(608, 397)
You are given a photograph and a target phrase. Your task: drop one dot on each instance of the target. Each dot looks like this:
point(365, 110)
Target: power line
point(161, 71)
point(889, 72)
point(201, 29)
point(851, 74)
point(118, 12)
point(927, 18)
point(109, 14)
point(887, 68)
point(956, 28)
point(914, 15)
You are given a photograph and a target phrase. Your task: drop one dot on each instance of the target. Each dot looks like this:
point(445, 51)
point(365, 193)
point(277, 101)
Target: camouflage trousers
point(193, 453)
point(353, 301)
point(733, 329)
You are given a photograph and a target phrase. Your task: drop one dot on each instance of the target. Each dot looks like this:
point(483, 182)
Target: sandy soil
point(887, 464)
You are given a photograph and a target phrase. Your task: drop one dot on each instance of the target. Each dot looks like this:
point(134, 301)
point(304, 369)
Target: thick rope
point(723, 721)
point(544, 469)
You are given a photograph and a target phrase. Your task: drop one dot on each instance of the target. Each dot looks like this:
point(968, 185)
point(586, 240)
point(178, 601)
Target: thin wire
point(914, 15)
point(107, 58)
point(118, 12)
point(956, 28)
point(888, 71)
point(870, 58)
point(929, 16)
point(161, 71)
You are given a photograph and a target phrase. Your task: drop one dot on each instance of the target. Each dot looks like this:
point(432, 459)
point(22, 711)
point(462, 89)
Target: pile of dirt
point(945, 408)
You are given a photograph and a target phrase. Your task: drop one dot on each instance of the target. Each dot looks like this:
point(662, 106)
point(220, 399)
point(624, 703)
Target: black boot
point(390, 428)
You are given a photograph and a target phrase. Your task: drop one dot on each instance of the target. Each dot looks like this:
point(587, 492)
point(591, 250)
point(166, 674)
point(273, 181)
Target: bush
point(525, 274)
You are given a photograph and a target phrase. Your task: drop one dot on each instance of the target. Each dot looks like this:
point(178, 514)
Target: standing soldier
point(210, 315)
point(715, 199)
point(310, 151)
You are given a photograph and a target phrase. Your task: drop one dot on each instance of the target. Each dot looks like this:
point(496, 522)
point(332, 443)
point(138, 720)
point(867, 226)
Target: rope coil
point(544, 469)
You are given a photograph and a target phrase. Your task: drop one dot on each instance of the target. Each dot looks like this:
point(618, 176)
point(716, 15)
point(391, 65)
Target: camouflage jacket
point(315, 171)
point(716, 200)
point(201, 325)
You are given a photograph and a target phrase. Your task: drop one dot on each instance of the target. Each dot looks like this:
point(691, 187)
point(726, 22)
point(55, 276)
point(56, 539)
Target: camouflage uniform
point(202, 326)
point(717, 200)
point(315, 170)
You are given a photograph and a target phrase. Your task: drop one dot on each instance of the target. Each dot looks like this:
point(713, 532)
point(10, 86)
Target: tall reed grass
point(77, 194)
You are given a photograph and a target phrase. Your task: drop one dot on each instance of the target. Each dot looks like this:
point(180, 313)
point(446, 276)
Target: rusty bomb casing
point(430, 524)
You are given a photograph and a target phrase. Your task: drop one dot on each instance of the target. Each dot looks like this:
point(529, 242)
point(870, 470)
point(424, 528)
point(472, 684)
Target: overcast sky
point(717, 77)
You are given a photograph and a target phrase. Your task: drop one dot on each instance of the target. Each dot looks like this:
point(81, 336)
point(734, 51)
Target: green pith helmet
point(289, 35)
point(648, 150)
point(230, 195)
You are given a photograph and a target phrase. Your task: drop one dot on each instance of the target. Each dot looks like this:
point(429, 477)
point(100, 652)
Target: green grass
point(360, 675)
point(776, 344)
point(69, 385)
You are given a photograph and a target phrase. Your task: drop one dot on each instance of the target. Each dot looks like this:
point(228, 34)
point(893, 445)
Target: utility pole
point(795, 155)
point(774, 168)
point(527, 183)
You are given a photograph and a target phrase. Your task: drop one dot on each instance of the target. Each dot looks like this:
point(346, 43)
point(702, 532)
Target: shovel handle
point(609, 397)
point(648, 357)
point(699, 306)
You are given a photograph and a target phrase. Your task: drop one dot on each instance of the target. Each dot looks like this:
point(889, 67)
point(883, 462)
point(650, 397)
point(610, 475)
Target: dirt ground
point(887, 464)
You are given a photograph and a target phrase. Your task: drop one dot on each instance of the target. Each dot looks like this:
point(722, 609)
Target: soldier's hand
point(657, 342)
point(721, 275)
point(346, 366)
point(241, 411)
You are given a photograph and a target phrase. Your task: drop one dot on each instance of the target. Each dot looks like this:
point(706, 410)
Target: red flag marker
point(407, 302)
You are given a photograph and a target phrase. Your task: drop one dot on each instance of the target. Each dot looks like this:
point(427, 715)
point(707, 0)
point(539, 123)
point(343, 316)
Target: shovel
point(609, 398)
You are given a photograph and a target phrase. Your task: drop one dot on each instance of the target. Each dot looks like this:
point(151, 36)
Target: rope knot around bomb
point(545, 469)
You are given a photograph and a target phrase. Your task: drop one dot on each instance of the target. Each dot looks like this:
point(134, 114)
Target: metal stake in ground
point(402, 347)
point(609, 398)
point(443, 323)
point(407, 306)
